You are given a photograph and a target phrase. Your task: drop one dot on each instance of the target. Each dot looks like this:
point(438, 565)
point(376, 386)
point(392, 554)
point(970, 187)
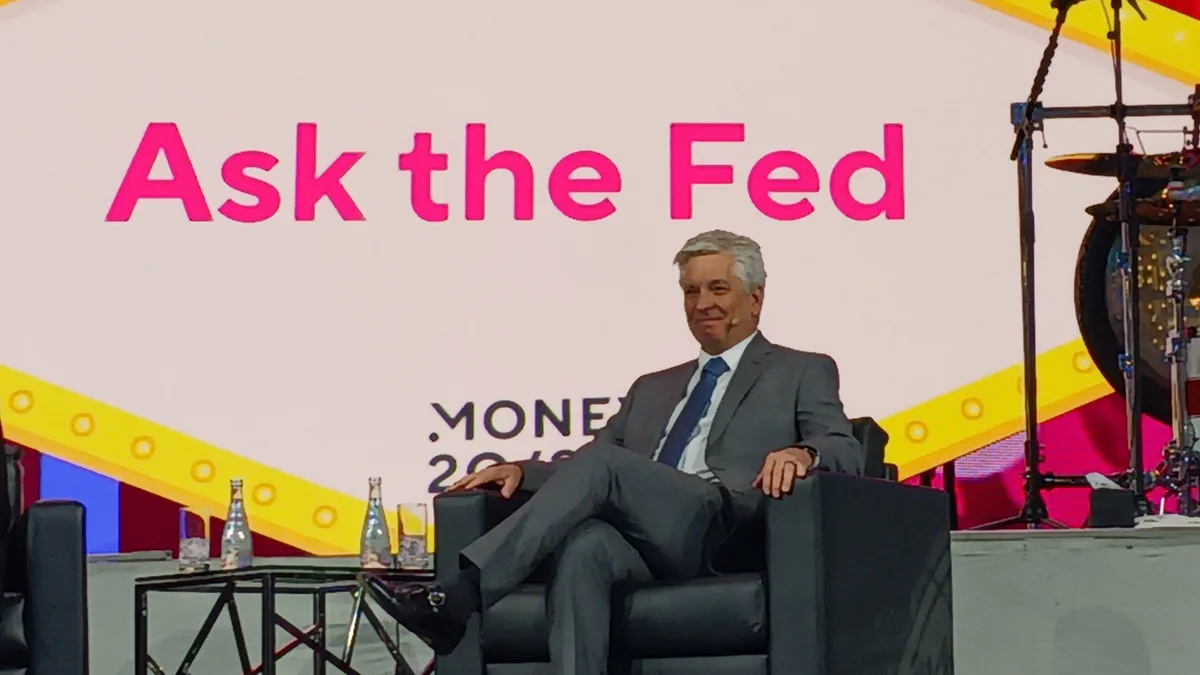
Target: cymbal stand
point(1127, 263)
point(1028, 118)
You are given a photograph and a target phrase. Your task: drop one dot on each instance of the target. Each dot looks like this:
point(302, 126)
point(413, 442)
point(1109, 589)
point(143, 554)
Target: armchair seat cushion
point(750, 664)
point(712, 616)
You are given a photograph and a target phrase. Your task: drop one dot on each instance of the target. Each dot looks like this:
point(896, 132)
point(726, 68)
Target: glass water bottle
point(375, 547)
point(237, 550)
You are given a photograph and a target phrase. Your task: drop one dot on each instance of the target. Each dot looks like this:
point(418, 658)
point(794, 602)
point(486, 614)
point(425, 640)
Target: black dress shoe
point(421, 608)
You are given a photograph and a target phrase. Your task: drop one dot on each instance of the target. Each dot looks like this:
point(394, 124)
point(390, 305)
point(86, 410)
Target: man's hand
point(781, 470)
point(507, 476)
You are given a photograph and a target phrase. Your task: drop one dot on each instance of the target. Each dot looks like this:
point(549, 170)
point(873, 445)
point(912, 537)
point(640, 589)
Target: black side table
point(267, 582)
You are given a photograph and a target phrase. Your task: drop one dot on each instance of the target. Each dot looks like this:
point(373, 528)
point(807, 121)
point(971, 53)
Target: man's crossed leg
point(606, 515)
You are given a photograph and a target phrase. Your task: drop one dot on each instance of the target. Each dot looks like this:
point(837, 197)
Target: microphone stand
point(1027, 121)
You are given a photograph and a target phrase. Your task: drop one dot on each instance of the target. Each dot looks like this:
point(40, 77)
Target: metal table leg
point(141, 632)
point(355, 619)
point(318, 619)
point(268, 625)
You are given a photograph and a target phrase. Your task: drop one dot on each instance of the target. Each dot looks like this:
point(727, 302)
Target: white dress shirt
point(693, 460)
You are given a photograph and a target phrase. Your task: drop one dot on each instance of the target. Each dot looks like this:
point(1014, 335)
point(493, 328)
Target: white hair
point(746, 254)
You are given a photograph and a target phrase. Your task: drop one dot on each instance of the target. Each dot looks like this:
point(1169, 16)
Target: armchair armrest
point(858, 578)
point(56, 612)
point(462, 517)
point(459, 519)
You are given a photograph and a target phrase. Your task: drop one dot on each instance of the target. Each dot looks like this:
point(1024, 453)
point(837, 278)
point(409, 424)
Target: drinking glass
point(412, 522)
point(193, 539)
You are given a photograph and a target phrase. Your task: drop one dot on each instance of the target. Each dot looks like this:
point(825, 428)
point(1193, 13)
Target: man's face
point(719, 311)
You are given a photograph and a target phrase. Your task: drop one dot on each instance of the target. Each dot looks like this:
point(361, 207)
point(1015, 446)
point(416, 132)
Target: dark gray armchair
point(845, 576)
point(43, 611)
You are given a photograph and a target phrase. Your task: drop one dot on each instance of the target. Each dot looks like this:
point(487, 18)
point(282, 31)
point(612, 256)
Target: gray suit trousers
point(604, 516)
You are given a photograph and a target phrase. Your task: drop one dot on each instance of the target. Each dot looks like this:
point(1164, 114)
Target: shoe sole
point(383, 599)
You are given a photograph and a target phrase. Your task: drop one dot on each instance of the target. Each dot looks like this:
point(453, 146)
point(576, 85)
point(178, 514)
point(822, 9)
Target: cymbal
point(1155, 211)
point(1148, 166)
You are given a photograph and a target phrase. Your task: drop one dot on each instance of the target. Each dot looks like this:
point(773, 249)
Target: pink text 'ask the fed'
point(587, 197)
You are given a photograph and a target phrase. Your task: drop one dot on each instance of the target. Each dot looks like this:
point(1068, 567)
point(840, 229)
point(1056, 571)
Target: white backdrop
point(319, 347)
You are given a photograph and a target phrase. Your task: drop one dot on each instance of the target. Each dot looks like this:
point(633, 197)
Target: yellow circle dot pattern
point(83, 424)
point(972, 408)
point(142, 447)
point(21, 401)
point(324, 517)
point(203, 471)
point(263, 494)
point(989, 410)
point(916, 432)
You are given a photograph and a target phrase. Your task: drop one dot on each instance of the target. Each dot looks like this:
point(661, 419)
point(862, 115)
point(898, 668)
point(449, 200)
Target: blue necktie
point(693, 411)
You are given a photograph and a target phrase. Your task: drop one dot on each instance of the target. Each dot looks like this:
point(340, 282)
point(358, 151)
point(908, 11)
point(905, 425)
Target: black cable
point(1043, 71)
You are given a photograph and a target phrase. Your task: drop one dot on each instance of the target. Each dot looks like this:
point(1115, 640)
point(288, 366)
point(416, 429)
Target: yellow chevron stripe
point(121, 445)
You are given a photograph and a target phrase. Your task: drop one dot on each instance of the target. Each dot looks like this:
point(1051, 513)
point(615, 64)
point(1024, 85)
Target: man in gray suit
point(693, 452)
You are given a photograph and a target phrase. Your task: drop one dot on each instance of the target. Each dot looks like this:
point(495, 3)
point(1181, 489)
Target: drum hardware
point(1028, 118)
point(1179, 191)
point(1179, 471)
point(1162, 210)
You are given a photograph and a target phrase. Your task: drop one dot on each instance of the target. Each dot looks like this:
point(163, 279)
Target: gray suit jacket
point(778, 398)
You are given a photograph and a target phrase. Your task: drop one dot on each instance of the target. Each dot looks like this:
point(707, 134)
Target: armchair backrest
point(874, 441)
point(12, 558)
point(10, 482)
point(14, 480)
